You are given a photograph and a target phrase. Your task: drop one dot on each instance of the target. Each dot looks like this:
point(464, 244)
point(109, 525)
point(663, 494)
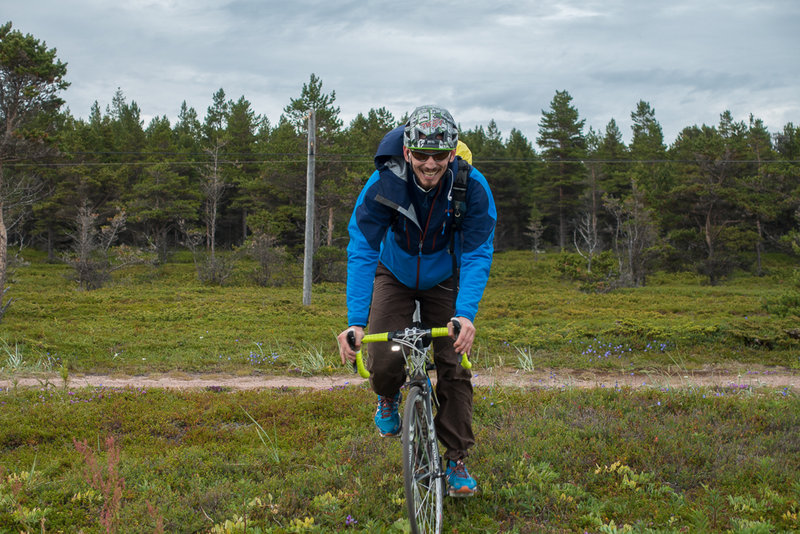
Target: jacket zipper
point(425, 231)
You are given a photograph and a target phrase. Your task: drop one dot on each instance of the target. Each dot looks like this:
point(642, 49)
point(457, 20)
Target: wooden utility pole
point(308, 260)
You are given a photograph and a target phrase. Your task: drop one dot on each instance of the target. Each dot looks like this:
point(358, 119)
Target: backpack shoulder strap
point(460, 193)
point(459, 210)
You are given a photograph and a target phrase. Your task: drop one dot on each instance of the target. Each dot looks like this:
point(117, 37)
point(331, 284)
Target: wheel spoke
point(421, 465)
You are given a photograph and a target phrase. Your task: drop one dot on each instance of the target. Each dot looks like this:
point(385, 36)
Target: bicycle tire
point(422, 467)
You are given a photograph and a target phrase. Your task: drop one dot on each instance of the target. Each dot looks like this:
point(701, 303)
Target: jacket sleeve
point(368, 225)
point(477, 245)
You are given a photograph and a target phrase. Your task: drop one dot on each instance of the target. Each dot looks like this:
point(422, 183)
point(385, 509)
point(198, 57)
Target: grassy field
point(548, 459)
point(163, 320)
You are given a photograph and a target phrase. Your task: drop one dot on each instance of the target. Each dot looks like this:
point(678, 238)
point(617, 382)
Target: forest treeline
point(712, 201)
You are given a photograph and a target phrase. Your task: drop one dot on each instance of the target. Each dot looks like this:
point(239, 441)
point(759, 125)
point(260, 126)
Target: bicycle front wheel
point(422, 468)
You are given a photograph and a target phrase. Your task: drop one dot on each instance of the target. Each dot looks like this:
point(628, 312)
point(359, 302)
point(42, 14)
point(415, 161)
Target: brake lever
point(465, 363)
point(351, 340)
point(358, 365)
point(456, 327)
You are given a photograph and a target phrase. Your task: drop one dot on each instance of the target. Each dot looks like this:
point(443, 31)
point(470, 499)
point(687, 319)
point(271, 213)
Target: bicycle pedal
point(462, 493)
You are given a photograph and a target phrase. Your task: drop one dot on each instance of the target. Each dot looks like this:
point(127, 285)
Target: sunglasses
point(422, 157)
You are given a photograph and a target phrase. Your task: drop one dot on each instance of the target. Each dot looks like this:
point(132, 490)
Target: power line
point(140, 158)
point(333, 159)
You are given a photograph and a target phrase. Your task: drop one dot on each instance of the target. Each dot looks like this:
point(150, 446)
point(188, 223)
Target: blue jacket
point(408, 230)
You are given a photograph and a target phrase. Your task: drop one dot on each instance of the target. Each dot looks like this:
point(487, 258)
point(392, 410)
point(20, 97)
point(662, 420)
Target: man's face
point(429, 165)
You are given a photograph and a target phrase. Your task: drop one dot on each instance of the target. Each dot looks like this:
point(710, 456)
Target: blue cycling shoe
point(387, 416)
point(459, 482)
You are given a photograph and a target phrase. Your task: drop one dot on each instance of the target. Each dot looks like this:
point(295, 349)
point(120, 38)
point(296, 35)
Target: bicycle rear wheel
point(421, 464)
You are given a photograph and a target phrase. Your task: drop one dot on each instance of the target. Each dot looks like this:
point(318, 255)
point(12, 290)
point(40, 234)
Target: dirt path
point(752, 376)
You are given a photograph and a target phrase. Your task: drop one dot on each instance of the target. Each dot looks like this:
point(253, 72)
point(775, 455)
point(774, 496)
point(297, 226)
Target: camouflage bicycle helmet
point(430, 128)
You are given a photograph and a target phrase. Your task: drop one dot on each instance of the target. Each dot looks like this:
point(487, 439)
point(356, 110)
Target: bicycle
point(423, 475)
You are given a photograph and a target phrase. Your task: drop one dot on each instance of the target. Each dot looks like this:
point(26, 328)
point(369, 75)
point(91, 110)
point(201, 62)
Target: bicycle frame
point(423, 474)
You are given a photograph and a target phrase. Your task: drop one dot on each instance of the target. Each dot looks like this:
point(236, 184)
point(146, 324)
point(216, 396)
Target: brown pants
point(393, 309)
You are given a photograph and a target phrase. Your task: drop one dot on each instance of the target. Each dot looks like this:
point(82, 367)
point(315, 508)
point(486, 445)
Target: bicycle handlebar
point(358, 365)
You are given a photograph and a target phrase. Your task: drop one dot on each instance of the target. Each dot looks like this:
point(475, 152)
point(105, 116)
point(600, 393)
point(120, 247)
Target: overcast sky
point(690, 59)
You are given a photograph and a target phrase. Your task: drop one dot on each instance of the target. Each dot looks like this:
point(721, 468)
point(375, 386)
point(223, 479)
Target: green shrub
point(330, 264)
point(272, 261)
point(788, 302)
point(603, 276)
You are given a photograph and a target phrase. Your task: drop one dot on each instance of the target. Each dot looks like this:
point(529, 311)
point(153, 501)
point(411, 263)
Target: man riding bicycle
point(400, 252)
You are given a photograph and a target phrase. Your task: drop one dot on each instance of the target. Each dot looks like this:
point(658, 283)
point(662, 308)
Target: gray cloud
point(502, 60)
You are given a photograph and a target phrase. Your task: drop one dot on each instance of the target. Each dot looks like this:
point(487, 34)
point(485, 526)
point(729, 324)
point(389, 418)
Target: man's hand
point(345, 351)
point(465, 338)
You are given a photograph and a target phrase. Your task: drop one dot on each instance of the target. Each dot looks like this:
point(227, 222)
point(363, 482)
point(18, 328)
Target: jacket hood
point(390, 153)
point(391, 146)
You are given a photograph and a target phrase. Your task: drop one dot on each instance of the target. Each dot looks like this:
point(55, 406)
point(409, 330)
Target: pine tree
point(163, 196)
point(614, 157)
point(765, 193)
point(647, 150)
point(327, 119)
point(31, 78)
point(563, 149)
point(513, 187)
point(281, 196)
point(52, 212)
point(242, 127)
point(706, 198)
point(329, 149)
